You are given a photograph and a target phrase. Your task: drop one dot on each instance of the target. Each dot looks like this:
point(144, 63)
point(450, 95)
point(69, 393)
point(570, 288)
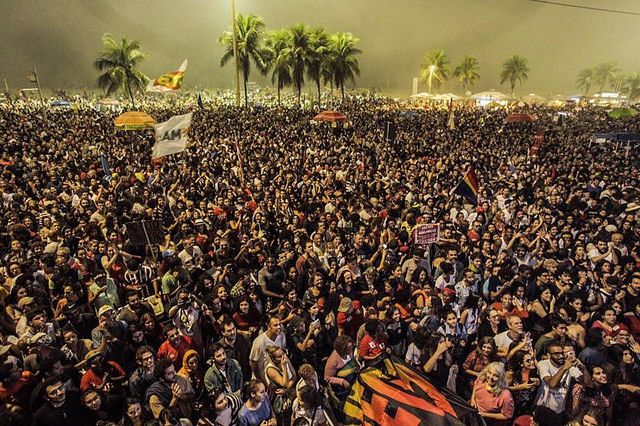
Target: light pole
point(235, 50)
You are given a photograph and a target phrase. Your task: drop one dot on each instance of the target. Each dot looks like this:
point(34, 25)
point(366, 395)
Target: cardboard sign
point(145, 232)
point(427, 233)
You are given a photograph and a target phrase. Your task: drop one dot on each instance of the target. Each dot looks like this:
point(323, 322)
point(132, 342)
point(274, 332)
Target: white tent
point(492, 95)
point(533, 99)
point(422, 95)
point(447, 97)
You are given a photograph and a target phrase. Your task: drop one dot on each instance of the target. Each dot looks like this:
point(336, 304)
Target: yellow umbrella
point(134, 120)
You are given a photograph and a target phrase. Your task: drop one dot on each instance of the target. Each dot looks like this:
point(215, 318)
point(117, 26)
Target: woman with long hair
point(135, 414)
point(523, 380)
point(470, 316)
point(600, 394)
point(151, 329)
point(256, 411)
point(484, 354)
point(543, 305)
point(397, 331)
point(627, 404)
point(247, 316)
point(223, 409)
point(491, 396)
point(281, 377)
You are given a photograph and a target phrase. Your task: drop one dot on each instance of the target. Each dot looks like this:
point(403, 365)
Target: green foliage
point(118, 64)
point(605, 73)
point(631, 85)
point(467, 72)
point(278, 56)
point(250, 50)
point(435, 69)
point(514, 70)
point(586, 79)
point(343, 62)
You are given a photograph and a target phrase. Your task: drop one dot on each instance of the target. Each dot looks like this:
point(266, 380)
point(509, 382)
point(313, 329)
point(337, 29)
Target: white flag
point(171, 136)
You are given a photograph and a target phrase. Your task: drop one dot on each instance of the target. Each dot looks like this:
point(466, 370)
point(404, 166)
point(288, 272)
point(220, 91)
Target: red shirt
point(91, 380)
point(350, 323)
point(369, 347)
point(166, 350)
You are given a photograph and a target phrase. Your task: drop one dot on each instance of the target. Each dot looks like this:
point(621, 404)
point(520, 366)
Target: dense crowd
point(289, 263)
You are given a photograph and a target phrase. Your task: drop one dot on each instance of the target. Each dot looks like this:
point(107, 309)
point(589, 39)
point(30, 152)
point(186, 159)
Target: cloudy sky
point(62, 38)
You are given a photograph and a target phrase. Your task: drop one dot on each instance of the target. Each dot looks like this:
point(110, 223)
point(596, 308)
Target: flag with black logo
point(171, 136)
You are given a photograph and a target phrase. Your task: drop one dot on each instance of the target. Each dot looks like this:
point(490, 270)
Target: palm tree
point(514, 70)
point(435, 70)
point(279, 58)
point(586, 79)
point(605, 73)
point(344, 64)
point(467, 72)
point(319, 50)
point(300, 47)
point(117, 62)
point(631, 85)
point(249, 39)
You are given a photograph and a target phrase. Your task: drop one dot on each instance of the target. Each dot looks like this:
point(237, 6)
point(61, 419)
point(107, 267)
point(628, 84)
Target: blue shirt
point(255, 417)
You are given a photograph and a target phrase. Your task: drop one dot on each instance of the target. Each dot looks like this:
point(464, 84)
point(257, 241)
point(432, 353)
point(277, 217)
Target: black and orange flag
point(393, 393)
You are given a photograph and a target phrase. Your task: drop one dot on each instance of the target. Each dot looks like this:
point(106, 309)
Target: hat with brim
point(34, 339)
point(25, 301)
point(104, 309)
point(92, 354)
point(631, 207)
point(345, 305)
point(4, 349)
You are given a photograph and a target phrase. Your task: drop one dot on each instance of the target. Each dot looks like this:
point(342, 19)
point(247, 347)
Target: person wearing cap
point(24, 304)
point(102, 375)
point(106, 315)
point(36, 323)
point(349, 317)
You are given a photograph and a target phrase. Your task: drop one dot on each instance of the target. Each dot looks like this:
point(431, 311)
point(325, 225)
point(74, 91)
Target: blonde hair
point(497, 368)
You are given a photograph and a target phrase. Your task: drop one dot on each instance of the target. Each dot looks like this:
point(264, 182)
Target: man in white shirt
point(273, 336)
point(513, 334)
point(556, 375)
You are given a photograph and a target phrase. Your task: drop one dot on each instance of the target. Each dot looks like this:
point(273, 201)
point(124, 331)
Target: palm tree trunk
point(278, 91)
point(319, 94)
point(246, 97)
point(133, 102)
point(342, 90)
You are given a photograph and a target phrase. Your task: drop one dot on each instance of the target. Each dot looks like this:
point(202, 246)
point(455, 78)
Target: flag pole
point(44, 109)
point(7, 93)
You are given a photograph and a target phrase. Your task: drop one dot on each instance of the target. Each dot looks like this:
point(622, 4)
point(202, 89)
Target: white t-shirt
point(259, 349)
point(554, 399)
point(502, 339)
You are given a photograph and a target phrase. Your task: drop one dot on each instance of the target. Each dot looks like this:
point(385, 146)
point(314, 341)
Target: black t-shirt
point(48, 415)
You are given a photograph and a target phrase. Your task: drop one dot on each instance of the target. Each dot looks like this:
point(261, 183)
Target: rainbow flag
point(169, 82)
point(468, 187)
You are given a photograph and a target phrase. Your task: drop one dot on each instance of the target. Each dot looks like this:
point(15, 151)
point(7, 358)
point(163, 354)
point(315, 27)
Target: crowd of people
point(290, 262)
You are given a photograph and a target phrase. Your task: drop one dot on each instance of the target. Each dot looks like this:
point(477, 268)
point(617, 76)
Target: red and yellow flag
point(169, 82)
